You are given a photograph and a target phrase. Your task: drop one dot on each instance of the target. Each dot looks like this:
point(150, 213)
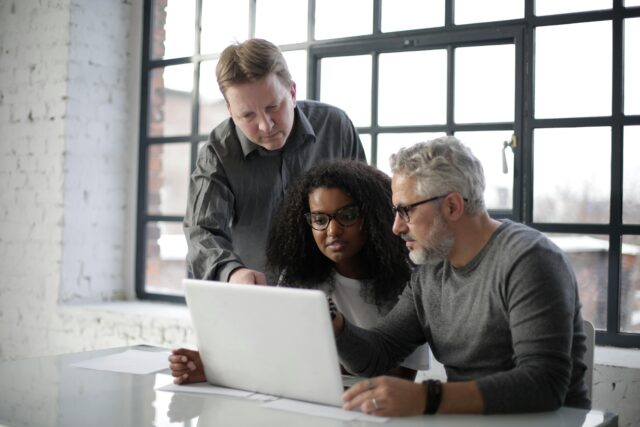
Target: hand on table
point(386, 396)
point(186, 366)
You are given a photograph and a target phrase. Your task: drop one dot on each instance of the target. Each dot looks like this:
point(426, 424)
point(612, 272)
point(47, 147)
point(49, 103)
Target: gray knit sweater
point(510, 319)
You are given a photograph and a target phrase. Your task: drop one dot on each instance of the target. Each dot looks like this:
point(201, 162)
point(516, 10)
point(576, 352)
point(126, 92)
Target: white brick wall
point(618, 390)
point(33, 42)
point(98, 146)
point(69, 83)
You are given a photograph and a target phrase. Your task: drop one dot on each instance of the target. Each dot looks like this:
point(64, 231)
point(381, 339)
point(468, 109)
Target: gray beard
point(439, 243)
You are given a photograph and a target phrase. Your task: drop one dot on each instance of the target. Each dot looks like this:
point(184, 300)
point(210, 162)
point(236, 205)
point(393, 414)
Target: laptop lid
point(271, 340)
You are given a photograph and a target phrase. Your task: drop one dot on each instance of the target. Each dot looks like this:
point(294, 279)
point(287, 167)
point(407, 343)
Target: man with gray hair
point(497, 302)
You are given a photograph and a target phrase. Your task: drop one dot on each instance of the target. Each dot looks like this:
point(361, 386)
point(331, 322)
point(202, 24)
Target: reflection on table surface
point(48, 391)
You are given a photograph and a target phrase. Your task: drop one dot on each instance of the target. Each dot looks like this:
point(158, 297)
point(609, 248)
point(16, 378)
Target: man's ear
point(453, 206)
point(293, 90)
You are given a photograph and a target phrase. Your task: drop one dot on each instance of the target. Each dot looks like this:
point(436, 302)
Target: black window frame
point(519, 32)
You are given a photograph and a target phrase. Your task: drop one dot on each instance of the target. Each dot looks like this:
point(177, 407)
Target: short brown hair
point(250, 61)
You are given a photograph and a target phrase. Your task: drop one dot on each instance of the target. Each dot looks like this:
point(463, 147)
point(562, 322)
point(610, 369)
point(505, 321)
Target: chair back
point(590, 342)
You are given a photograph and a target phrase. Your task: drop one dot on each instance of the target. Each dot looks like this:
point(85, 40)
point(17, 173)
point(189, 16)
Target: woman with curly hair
point(333, 232)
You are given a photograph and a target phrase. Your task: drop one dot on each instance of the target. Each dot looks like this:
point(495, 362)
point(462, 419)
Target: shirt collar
point(302, 131)
point(245, 143)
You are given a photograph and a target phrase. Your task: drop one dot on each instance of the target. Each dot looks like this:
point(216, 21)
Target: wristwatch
point(433, 389)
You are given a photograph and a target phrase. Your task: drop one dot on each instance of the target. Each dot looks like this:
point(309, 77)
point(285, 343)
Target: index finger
point(260, 278)
point(356, 389)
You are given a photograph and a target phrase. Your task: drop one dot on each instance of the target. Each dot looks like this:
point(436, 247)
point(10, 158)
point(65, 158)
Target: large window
point(546, 93)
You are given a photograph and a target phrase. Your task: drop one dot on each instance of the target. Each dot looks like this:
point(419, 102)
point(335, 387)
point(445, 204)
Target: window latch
point(513, 143)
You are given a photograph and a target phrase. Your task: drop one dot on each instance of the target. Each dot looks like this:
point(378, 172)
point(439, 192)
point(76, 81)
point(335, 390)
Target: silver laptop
point(271, 340)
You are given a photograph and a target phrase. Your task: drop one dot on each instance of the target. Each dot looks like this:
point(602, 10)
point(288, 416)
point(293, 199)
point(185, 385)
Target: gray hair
point(441, 166)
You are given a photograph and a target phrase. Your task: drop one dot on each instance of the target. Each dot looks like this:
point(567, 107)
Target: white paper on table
point(262, 397)
point(321, 410)
point(130, 361)
point(371, 418)
point(205, 388)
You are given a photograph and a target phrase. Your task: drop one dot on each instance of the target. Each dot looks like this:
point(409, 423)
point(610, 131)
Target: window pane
point(412, 88)
point(223, 23)
point(339, 18)
point(365, 138)
point(281, 21)
point(213, 108)
point(297, 63)
point(174, 28)
point(630, 280)
point(470, 11)
point(589, 257)
point(631, 176)
point(488, 147)
point(630, 3)
point(571, 175)
point(552, 7)
point(572, 61)
point(391, 143)
point(346, 83)
point(168, 178)
point(632, 66)
point(401, 15)
point(166, 252)
point(485, 84)
point(170, 100)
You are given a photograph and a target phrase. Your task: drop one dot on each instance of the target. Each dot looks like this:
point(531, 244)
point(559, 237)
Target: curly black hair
point(293, 254)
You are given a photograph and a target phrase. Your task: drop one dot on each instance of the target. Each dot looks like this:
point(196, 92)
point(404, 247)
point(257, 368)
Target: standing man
point(251, 158)
point(496, 301)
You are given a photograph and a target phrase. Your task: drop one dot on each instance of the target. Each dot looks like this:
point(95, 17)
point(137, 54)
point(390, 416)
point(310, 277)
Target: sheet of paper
point(262, 397)
point(129, 361)
point(371, 418)
point(321, 410)
point(206, 388)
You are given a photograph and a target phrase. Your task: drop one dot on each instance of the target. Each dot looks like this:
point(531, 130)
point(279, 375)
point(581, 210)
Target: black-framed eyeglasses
point(346, 217)
point(403, 211)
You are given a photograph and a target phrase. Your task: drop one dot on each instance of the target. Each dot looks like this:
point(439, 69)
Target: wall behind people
point(69, 88)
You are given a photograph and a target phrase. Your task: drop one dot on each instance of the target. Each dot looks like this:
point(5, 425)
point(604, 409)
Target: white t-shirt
point(355, 309)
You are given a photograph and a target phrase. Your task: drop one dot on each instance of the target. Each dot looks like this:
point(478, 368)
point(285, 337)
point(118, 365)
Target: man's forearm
point(461, 398)
point(361, 350)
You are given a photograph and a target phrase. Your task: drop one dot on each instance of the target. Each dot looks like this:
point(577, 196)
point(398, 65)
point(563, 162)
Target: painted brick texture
point(68, 149)
point(33, 86)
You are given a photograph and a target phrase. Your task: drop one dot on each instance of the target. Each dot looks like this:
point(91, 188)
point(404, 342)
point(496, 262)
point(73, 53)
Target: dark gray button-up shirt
point(237, 186)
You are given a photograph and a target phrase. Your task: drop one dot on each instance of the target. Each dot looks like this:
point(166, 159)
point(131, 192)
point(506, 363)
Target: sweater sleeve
point(376, 351)
point(540, 294)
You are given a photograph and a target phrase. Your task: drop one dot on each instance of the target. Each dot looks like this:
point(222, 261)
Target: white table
point(48, 391)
